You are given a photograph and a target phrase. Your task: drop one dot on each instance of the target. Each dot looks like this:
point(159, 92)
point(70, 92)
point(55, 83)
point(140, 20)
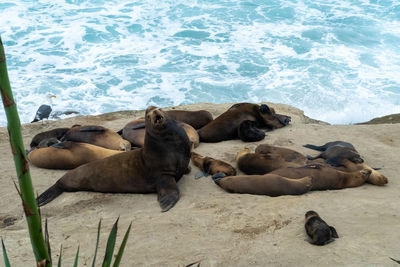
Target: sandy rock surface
point(211, 225)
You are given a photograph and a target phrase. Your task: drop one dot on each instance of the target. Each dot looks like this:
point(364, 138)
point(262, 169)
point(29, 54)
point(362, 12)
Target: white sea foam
point(338, 61)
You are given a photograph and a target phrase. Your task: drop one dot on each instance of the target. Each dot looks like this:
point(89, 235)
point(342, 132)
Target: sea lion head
point(242, 152)
point(271, 119)
point(156, 118)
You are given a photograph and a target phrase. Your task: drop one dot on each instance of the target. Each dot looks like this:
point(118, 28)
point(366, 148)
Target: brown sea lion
point(225, 126)
point(196, 118)
point(97, 135)
point(335, 152)
point(268, 184)
point(318, 230)
point(135, 131)
point(325, 177)
point(154, 168)
point(57, 133)
point(214, 167)
point(68, 155)
point(268, 158)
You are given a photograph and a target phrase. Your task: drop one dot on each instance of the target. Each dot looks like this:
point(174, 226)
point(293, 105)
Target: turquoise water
point(339, 60)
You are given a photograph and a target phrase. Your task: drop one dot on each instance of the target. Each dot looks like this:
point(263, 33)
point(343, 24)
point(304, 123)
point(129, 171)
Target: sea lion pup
point(154, 168)
point(135, 131)
point(68, 155)
point(196, 118)
point(318, 230)
point(97, 135)
point(215, 167)
point(57, 133)
point(268, 184)
point(325, 177)
point(225, 126)
point(270, 159)
point(335, 152)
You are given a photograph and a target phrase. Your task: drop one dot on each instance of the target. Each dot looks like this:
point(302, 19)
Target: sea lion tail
point(319, 148)
point(50, 194)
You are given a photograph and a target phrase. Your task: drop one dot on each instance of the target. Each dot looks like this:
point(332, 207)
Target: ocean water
point(338, 60)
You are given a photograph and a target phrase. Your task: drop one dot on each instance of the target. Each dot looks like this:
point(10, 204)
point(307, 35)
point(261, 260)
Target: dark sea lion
point(214, 167)
point(48, 142)
point(57, 133)
point(335, 152)
point(325, 177)
point(154, 168)
point(97, 135)
point(196, 118)
point(135, 131)
point(268, 184)
point(318, 230)
point(268, 158)
point(68, 155)
point(225, 126)
point(248, 132)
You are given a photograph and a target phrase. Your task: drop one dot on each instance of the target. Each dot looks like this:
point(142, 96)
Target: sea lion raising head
point(155, 168)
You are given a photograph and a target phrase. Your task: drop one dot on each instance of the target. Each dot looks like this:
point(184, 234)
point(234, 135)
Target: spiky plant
point(40, 244)
point(21, 164)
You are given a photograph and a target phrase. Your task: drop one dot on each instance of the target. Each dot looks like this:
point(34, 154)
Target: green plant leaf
point(6, 260)
point(97, 243)
point(59, 258)
point(76, 258)
point(122, 247)
point(110, 245)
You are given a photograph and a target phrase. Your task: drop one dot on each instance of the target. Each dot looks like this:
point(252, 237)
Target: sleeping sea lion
point(325, 177)
point(318, 230)
point(196, 118)
point(57, 133)
point(214, 167)
point(268, 184)
point(135, 131)
point(225, 126)
point(97, 135)
point(268, 158)
point(68, 155)
point(155, 168)
point(335, 152)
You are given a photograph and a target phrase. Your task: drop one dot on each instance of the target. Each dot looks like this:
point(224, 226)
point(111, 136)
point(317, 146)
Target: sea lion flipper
point(50, 194)
point(218, 175)
point(312, 158)
point(168, 193)
point(200, 174)
point(333, 231)
point(92, 128)
point(138, 126)
point(319, 148)
point(335, 162)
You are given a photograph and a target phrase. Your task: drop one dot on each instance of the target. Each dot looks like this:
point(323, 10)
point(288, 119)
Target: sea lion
point(154, 168)
point(214, 167)
point(375, 178)
point(68, 155)
point(318, 230)
point(225, 126)
point(268, 158)
point(57, 133)
point(268, 184)
point(325, 177)
point(335, 152)
point(196, 118)
point(97, 135)
point(135, 131)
